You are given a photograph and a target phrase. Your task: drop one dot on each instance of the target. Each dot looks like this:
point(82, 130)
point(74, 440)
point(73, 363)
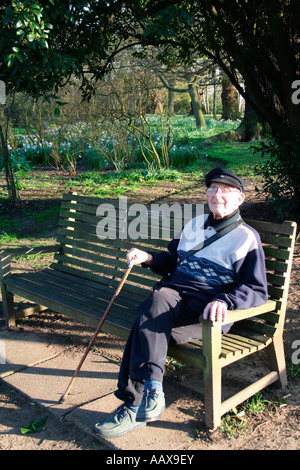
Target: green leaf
point(45, 43)
point(34, 426)
point(61, 103)
point(31, 37)
point(20, 57)
point(25, 430)
point(19, 24)
point(32, 26)
point(10, 60)
point(34, 6)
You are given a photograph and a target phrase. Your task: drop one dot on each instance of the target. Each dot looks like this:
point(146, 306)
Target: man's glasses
point(213, 191)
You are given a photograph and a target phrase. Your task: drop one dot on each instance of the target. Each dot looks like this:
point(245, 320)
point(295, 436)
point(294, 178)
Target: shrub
point(281, 172)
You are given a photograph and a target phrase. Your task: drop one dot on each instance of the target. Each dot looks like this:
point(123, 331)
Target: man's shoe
point(122, 421)
point(153, 404)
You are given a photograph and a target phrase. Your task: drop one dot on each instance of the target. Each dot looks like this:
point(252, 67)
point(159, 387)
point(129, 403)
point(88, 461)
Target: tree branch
point(177, 90)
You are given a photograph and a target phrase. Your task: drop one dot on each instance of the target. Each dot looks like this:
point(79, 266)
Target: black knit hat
point(220, 175)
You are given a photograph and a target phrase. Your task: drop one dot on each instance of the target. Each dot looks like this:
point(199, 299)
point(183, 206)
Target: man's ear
point(241, 198)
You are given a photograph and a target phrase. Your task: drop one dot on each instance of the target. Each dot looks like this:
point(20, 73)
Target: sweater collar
point(217, 224)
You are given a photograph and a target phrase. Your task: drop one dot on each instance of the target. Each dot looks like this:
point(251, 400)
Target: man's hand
point(215, 311)
point(135, 256)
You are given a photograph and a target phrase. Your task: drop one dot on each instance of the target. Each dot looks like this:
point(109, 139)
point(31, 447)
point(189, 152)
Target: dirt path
point(18, 412)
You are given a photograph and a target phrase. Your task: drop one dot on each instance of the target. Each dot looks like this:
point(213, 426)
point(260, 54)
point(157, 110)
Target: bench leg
point(7, 297)
point(212, 375)
point(8, 307)
point(276, 357)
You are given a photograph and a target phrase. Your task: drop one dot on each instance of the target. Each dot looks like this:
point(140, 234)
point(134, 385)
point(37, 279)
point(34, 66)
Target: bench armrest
point(242, 314)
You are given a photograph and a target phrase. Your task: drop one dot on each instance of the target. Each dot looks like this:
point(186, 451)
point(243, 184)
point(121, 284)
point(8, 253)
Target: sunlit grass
point(186, 147)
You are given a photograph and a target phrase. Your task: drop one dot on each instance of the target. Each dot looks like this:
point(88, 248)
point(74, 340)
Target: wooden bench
point(86, 271)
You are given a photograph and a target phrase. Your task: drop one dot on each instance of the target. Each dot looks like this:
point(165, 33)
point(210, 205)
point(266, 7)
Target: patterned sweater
point(231, 269)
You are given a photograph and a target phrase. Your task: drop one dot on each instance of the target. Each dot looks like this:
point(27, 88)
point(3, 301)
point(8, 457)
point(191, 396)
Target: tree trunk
point(158, 102)
point(12, 190)
point(171, 97)
point(193, 91)
point(249, 129)
point(230, 100)
point(215, 94)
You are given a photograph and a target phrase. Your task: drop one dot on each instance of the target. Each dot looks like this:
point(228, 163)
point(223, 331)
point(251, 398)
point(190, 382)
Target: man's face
point(223, 203)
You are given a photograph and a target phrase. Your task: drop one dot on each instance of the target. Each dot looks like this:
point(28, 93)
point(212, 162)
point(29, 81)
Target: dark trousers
point(164, 313)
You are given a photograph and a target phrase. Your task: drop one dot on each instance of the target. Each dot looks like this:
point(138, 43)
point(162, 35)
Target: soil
point(276, 427)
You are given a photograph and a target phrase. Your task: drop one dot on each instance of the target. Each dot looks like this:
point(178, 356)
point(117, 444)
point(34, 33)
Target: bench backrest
point(84, 252)
point(278, 241)
point(87, 252)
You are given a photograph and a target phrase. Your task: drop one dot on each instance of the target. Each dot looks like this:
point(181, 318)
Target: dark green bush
point(281, 172)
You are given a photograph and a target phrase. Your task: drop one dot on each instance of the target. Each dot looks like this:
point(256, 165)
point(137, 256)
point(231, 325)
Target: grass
point(8, 238)
point(237, 420)
point(294, 370)
point(185, 160)
point(186, 146)
point(239, 156)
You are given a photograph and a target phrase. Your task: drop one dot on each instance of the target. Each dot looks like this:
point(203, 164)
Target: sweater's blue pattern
point(205, 270)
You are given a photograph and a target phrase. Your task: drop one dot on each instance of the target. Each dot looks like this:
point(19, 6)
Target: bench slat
point(276, 265)
point(135, 289)
point(275, 240)
point(276, 279)
point(55, 296)
point(276, 253)
point(284, 228)
point(78, 288)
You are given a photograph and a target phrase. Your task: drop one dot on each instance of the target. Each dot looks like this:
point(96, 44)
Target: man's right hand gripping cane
point(136, 256)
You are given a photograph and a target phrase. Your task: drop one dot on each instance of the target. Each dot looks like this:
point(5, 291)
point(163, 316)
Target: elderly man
point(226, 272)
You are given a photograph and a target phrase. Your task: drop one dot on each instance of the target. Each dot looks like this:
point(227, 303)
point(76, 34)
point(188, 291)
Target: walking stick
point(97, 332)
